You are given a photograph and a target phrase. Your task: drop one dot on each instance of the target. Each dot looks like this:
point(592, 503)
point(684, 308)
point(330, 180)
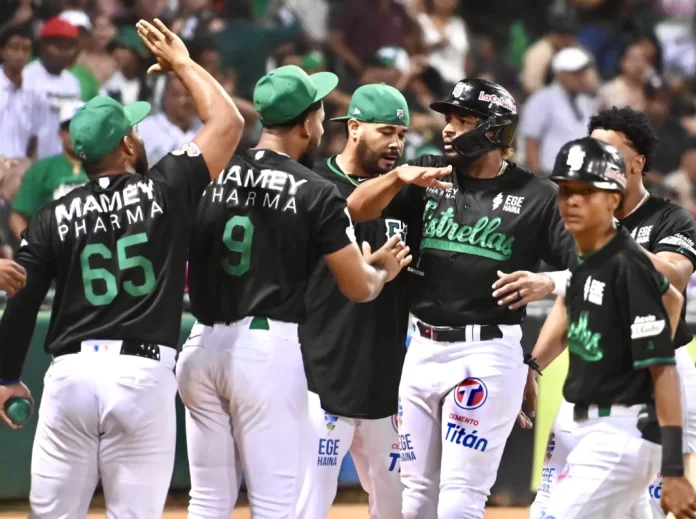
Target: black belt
point(134, 348)
point(447, 334)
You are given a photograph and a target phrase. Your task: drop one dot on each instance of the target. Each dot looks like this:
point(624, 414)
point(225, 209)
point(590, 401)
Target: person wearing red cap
point(50, 76)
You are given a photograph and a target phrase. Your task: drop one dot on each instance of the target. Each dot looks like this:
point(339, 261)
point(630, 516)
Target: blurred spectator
point(89, 85)
point(560, 112)
point(628, 88)
point(445, 39)
point(669, 131)
point(361, 27)
point(50, 178)
point(15, 12)
point(683, 181)
point(537, 58)
point(196, 18)
point(128, 84)
point(314, 17)
point(245, 46)
point(51, 78)
point(313, 62)
point(141, 9)
point(94, 55)
point(11, 172)
point(22, 110)
point(175, 126)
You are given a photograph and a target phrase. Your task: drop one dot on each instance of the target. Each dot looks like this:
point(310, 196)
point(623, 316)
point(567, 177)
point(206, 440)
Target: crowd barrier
point(517, 478)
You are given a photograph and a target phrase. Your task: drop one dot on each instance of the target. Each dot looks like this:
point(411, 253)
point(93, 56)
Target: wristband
point(4, 382)
point(672, 451)
point(560, 280)
point(532, 363)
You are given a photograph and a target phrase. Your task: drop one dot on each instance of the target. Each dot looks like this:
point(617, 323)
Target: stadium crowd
point(562, 61)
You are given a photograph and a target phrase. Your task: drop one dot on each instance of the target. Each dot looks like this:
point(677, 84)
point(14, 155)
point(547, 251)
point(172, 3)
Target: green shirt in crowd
point(45, 181)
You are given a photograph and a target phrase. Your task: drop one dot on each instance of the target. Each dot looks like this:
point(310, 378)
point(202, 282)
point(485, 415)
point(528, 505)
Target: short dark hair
point(23, 30)
point(202, 43)
point(300, 119)
point(634, 125)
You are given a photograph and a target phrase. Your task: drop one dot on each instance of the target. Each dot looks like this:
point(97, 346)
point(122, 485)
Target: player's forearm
point(673, 301)
point(377, 278)
point(552, 337)
point(669, 416)
point(677, 273)
point(371, 198)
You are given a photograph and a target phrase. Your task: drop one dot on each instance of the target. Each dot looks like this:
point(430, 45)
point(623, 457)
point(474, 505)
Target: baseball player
point(617, 318)
point(667, 232)
point(464, 372)
point(353, 352)
point(116, 249)
point(263, 227)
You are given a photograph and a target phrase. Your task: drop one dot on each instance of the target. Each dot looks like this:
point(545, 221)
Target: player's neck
point(632, 199)
point(487, 166)
point(349, 164)
point(591, 240)
point(276, 143)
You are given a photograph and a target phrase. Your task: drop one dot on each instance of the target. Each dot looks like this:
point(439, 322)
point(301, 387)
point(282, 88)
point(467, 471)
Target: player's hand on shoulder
point(392, 256)
point(8, 392)
point(13, 277)
point(424, 177)
point(678, 497)
point(521, 288)
point(166, 46)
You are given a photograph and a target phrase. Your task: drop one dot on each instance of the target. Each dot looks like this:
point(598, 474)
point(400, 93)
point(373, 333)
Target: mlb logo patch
point(470, 394)
point(399, 113)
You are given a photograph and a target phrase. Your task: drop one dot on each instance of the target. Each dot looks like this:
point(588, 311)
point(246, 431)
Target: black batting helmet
point(591, 161)
point(493, 104)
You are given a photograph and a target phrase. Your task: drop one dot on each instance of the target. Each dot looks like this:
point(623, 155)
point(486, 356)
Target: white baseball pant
point(562, 441)
point(105, 415)
point(607, 470)
point(459, 402)
point(245, 393)
point(374, 447)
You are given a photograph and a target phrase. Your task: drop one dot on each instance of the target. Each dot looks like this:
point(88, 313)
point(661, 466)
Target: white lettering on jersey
point(594, 291)
point(681, 242)
point(350, 230)
point(497, 201)
point(642, 235)
point(647, 326)
point(513, 204)
point(449, 192)
point(109, 209)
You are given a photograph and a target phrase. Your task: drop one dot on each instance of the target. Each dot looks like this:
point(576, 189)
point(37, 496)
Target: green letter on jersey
point(582, 342)
point(243, 246)
point(89, 275)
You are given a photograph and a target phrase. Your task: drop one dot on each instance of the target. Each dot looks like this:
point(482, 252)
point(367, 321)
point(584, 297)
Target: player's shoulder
point(667, 209)
point(323, 169)
point(429, 161)
point(530, 180)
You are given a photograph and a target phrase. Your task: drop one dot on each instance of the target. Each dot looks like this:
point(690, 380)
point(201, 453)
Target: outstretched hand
point(392, 256)
point(425, 177)
point(167, 47)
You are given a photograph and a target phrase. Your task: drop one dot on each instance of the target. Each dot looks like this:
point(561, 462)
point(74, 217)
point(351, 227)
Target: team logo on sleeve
point(681, 242)
point(471, 393)
point(350, 230)
point(191, 149)
point(648, 326)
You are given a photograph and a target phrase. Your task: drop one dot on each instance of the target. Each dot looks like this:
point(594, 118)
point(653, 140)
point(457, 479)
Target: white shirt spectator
point(125, 91)
point(22, 113)
point(449, 60)
point(161, 136)
point(57, 90)
point(553, 117)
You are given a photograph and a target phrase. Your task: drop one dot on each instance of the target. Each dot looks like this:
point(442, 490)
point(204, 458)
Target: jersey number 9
point(125, 262)
point(241, 245)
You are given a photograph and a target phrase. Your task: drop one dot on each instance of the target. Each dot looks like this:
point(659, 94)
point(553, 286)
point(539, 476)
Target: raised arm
point(222, 122)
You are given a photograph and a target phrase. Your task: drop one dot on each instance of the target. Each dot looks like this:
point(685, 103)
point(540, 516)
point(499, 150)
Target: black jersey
point(617, 326)
point(261, 228)
point(354, 352)
point(116, 248)
point(471, 231)
point(660, 225)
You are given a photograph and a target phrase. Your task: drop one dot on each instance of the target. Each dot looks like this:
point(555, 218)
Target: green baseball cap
point(286, 92)
point(101, 124)
point(377, 103)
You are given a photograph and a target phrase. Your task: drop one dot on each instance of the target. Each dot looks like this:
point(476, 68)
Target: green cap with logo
point(100, 125)
point(377, 104)
point(284, 93)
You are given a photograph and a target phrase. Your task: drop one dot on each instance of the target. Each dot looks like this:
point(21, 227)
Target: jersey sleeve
point(676, 232)
point(333, 228)
point(642, 288)
point(556, 245)
point(28, 199)
point(18, 319)
point(185, 171)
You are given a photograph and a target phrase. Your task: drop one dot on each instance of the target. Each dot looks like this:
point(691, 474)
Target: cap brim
point(325, 82)
point(343, 118)
point(444, 107)
point(137, 111)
